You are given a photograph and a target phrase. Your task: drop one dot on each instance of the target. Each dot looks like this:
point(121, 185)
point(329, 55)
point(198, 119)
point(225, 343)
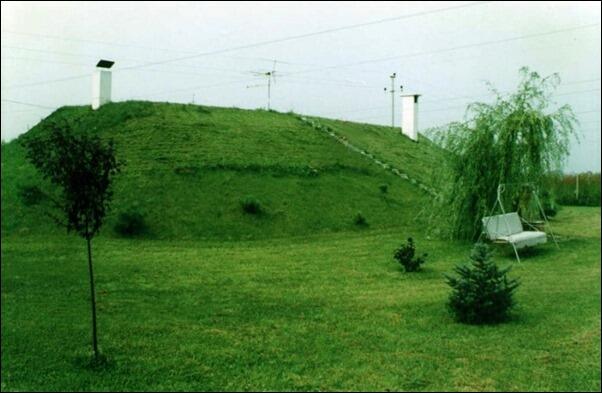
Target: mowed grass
point(318, 312)
point(188, 167)
point(420, 160)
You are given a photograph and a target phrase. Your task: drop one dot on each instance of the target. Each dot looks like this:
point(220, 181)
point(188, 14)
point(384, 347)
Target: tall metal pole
point(269, 74)
point(393, 100)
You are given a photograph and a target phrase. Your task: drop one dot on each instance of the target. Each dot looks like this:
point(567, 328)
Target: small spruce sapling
point(405, 256)
point(482, 293)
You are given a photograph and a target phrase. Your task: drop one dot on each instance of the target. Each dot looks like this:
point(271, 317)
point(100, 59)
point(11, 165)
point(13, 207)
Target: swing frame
point(547, 227)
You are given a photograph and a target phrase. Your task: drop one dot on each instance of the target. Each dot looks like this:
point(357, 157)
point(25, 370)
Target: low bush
point(586, 193)
point(31, 195)
point(186, 170)
point(405, 255)
point(360, 220)
point(251, 205)
point(481, 293)
point(131, 223)
point(548, 204)
point(384, 188)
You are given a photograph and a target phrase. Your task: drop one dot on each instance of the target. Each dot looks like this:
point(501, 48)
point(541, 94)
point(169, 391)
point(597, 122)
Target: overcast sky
point(209, 52)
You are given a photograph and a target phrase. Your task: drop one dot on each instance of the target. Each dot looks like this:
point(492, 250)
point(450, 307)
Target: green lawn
point(330, 311)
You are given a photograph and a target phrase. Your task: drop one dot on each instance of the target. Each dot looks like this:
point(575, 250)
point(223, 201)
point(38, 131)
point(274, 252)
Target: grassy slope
point(188, 167)
point(416, 159)
point(321, 312)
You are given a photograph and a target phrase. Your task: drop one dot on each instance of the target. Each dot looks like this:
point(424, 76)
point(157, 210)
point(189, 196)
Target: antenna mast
point(270, 75)
point(392, 91)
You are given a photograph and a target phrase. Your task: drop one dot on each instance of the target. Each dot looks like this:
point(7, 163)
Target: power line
point(88, 75)
point(117, 44)
point(491, 94)
point(47, 81)
point(316, 33)
point(482, 54)
point(146, 95)
point(332, 82)
point(22, 111)
point(187, 73)
point(584, 112)
point(200, 87)
point(467, 46)
point(449, 108)
point(266, 59)
point(580, 81)
point(28, 104)
point(577, 92)
point(328, 31)
point(465, 106)
point(144, 70)
point(359, 110)
point(108, 43)
point(142, 61)
point(118, 59)
point(43, 61)
point(305, 35)
point(366, 118)
point(46, 51)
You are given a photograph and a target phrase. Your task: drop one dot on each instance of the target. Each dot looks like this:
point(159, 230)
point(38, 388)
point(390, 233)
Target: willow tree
point(515, 140)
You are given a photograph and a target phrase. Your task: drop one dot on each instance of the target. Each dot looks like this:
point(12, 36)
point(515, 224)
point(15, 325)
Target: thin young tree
point(517, 139)
point(81, 168)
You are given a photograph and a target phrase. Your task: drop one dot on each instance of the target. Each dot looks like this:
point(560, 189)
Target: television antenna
point(270, 76)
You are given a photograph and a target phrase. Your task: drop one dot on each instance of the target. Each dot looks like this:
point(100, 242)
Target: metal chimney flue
point(409, 115)
point(101, 83)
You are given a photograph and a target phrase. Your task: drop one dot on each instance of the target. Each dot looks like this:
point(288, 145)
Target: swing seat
point(507, 228)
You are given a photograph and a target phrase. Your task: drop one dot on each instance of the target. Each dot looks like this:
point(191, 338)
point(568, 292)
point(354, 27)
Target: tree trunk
point(93, 298)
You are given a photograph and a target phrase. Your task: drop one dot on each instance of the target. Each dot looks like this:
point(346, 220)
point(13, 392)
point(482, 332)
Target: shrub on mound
point(360, 220)
point(251, 205)
point(31, 195)
point(130, 223)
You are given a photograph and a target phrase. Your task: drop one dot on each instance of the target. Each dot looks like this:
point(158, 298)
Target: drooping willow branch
point(516, 139)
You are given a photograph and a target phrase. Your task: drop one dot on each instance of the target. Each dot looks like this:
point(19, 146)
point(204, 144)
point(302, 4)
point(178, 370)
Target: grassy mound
point(188, 167)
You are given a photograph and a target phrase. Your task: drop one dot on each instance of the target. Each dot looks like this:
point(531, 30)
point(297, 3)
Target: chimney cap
point(105, 63)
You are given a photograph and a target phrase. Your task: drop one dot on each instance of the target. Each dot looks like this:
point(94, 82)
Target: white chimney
point(409, 115)
point(101, 83)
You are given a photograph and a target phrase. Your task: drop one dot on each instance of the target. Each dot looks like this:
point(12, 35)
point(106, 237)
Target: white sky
point(44, 42)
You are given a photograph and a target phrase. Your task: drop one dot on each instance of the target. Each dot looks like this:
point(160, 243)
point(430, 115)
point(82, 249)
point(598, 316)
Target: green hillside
point(188, 168)
point(416, 159)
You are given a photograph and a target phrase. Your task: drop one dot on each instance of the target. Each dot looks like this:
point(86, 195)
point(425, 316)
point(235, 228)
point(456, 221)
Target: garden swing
point(507, 228)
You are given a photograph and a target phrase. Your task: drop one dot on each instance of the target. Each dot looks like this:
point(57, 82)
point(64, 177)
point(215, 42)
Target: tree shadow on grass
point(87, 361)
point(533, 254)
